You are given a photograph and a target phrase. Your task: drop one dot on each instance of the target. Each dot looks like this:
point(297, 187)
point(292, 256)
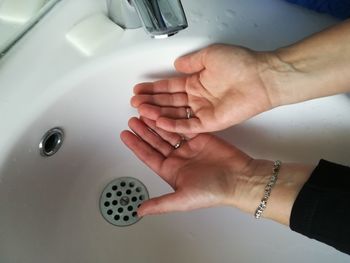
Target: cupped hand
point(224, 86)
point(204, 171)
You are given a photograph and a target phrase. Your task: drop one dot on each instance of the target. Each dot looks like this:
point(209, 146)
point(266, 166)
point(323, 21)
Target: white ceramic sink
point(49, 207)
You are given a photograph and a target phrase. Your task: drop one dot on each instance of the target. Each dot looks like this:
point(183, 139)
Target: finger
point(153, 112)
point(163, 204)
point(191, 63)
point(183, 126)
point(173, 85)
point(173, 100)
point(152, 158)
point(140, 128)
point(172, 138)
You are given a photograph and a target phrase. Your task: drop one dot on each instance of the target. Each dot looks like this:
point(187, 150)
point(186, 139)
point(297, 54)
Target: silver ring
point(178, 145)
point(188, 113)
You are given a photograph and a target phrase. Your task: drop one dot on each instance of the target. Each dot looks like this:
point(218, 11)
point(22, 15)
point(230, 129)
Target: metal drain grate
point(120, 199)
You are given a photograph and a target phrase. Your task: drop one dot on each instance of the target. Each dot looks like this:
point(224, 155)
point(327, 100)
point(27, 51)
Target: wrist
point(249, 185)
point(278, 75)
point(292, 178)
point(249, 188)
point(312, 68)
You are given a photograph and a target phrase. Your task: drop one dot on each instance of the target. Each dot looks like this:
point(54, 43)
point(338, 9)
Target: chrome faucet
point(160, 18)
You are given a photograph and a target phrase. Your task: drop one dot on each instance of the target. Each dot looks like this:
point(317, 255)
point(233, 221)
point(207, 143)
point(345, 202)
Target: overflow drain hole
point(120, 200)
point(51, 142)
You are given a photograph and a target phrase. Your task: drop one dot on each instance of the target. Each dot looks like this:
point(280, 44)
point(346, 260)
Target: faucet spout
point(160, 18)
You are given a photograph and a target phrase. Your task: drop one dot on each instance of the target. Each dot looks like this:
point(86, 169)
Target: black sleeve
point(322, 208)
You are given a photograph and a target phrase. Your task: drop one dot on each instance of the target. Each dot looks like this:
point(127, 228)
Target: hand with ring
point(202, 171)
point(224, 86)
point(206, 171)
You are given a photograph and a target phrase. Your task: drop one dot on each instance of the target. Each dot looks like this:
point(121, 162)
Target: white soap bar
point(19, 11)
point(94, 33)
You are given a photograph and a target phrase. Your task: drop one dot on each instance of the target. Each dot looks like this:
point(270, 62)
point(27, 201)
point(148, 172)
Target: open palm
point(223, 88)
point(203, 171)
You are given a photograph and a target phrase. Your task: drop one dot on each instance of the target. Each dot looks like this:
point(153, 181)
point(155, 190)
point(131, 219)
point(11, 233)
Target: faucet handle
point(161, 18)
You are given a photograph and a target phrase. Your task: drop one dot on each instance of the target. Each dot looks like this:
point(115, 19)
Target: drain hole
point(51, 142)
point(120, 199)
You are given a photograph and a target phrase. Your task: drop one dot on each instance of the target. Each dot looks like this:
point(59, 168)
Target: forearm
point(311, 200)
point(321, 208)
point(292, 178)
point(315, 67)
point(250, 189)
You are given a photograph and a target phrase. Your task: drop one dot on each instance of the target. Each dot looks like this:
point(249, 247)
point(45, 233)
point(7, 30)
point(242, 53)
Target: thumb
point(191, 63)
point(161, 205)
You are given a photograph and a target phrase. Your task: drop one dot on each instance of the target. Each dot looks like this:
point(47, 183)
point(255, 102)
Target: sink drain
point(120, 199)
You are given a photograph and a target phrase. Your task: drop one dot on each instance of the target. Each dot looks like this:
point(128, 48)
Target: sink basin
point(49, 207)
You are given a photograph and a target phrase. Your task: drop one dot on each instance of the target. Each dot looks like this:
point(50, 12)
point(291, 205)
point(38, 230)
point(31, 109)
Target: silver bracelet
point(268, 188)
